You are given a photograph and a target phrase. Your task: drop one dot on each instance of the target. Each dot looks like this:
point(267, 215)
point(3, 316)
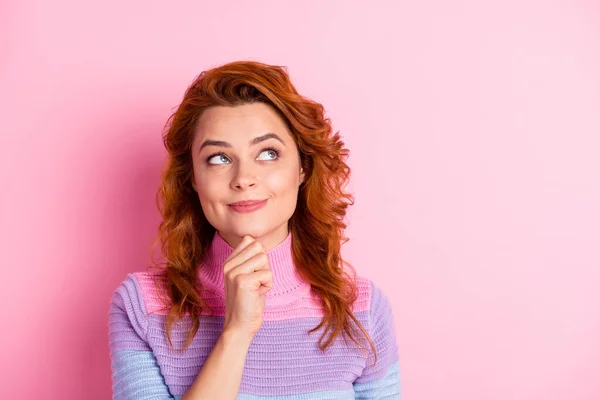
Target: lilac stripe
point(281, 353)
point(127, 318)
point(383, 334)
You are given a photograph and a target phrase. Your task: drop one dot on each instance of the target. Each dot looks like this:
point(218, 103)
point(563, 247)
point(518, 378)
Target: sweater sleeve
point(382, 380)
point(135, 372)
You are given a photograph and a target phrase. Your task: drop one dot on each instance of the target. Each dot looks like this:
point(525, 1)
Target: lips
point(246, 203)
point(248, 206)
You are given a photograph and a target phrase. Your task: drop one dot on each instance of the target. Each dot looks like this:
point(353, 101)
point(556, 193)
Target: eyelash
point(220, 153)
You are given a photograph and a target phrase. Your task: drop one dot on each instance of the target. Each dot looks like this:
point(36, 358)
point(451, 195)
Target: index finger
point(246, 240)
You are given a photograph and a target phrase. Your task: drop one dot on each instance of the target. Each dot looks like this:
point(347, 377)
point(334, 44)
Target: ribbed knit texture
point(284, 362)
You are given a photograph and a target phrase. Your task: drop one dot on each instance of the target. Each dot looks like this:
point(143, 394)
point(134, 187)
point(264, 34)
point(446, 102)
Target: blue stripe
point(136, 375)
point(386, 387)
point(320, 395)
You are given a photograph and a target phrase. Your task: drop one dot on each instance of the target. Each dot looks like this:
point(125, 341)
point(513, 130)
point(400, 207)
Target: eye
point(274, 153)
point(221, 156)
point(218, 156)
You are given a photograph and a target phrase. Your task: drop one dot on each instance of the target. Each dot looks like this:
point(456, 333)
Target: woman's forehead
point(241, 124)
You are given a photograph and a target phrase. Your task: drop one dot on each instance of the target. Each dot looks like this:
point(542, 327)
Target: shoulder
point(374, 302)
point(370, 296)
point(127, 291)
point(381, 367)
point(142, 291)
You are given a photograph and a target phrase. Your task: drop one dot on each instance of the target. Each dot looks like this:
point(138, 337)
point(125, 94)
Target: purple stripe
point(383, 334)
point(126, 318)
point(282, 352)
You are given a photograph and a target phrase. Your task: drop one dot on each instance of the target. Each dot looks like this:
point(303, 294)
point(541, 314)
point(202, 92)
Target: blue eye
point(272, 151)
point(220, 155)
point(274, 154)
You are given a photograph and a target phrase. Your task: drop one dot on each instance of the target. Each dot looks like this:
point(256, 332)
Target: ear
point(302, 176)
point(194, 186)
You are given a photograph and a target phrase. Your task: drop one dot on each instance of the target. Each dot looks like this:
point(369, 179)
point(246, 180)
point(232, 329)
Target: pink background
point(474, 135)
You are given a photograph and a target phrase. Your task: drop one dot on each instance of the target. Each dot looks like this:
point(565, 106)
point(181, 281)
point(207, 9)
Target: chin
point(242, 230)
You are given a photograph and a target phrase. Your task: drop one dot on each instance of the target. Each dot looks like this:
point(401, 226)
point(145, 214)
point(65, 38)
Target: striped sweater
point(283, 361)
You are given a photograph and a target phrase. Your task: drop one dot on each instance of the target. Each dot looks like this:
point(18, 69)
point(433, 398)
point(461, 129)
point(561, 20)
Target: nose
point(244, 178)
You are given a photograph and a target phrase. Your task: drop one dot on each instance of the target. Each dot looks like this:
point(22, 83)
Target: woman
point(253, 299)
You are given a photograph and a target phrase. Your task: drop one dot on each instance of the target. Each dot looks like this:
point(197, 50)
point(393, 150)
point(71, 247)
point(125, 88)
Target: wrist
point(233, 337)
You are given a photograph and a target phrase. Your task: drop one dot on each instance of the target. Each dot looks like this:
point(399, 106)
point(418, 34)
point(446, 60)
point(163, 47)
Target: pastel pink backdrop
point(473, 128)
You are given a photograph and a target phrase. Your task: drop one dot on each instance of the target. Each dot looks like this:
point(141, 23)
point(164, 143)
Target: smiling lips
point(247, 206)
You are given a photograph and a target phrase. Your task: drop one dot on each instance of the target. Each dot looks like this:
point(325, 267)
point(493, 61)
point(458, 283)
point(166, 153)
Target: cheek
point(282, 183)
point(210, 191)
point(208, 188)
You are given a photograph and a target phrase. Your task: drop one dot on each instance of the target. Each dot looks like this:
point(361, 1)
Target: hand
point(247, 279)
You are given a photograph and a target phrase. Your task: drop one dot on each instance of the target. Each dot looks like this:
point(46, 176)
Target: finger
point(248, 252)
point(265, 278)
point(246, 240)
point(262, 281)
point(257, 262)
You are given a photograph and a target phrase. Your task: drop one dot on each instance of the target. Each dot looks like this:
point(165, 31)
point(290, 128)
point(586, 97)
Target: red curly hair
point(316, 226)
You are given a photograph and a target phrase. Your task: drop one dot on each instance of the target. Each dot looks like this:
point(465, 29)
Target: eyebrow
point(254, 141)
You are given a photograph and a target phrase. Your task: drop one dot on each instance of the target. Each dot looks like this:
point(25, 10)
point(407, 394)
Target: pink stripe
point(306, 305)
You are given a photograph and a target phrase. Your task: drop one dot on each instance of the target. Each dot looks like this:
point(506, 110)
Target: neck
point(287, 283)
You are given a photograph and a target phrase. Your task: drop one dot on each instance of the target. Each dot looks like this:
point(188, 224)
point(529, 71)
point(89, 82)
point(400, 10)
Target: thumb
point(263, 285)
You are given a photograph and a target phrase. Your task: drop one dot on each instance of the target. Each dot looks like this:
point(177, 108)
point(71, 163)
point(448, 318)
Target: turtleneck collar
point(287, 283)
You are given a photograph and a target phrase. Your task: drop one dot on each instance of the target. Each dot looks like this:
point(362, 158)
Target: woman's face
point(246, 153)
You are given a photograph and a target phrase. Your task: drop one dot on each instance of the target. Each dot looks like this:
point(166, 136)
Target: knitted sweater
point(283, 361)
